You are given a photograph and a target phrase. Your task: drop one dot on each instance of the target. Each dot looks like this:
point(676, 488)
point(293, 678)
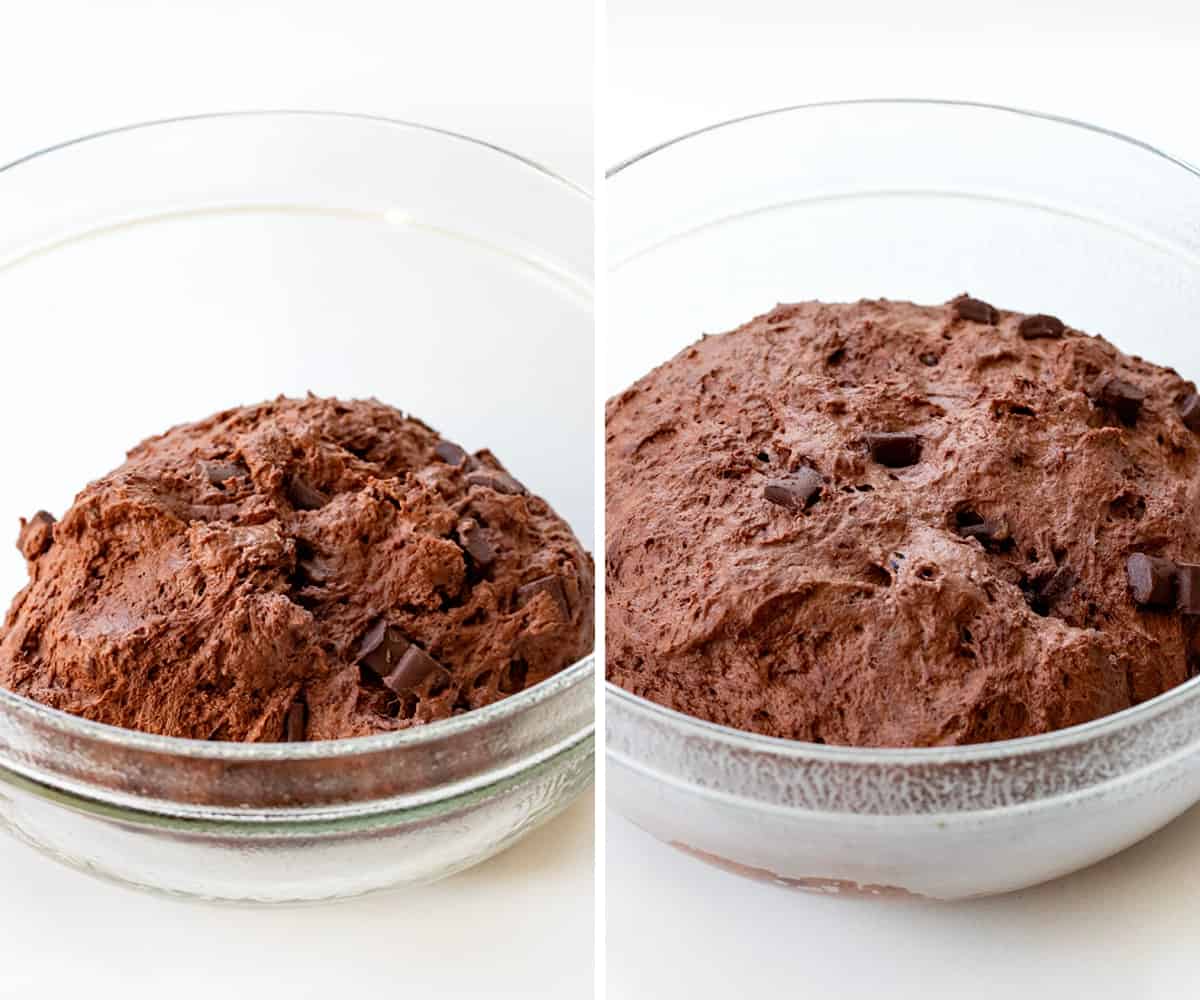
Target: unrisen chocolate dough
point(303, 569)
point(961, 574)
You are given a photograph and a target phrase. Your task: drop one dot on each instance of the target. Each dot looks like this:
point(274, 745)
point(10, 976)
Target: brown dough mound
point(978, 594)
point(226, 581)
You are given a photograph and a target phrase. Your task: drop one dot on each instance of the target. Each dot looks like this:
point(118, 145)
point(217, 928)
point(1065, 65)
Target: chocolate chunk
point(475, 542)
point(1151, 580)
point(1040, 327)
point(1189, 412)
point(381, 648)
point(894, 450)
point(501, 482)
point(928, 358)
point(415, 667)
point(450, 453)
point(295, 723)
point(514, 676)
point(219, 473)
point(372, 640)
point(1044, 591)
point(983, 531)
point(305, 496)
point(36, 535)
point(1187, 588)
point(976, 310)
point(551, 585)
point(796, 491)
point(1057, 586)
point(1123, 398)
point(991, 531)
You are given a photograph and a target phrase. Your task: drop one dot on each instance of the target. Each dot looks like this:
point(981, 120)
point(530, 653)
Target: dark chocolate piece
point(991, 531)
point(976, 310)
point(1046, 590)
point(415, 667)
point(795, 492)
point(36, 535)
point(1189, 412)
point(928, 358)
point(219, 473)
point(1187, 588)
point(551, 585)
point(372, 640)
point(295, 723)
point(1123, 398)
point(1041, 327)
point(894, 450)
point(450, 453)
point(305, 496)
point(513, 677)
point(501, 482)
point(475, 543)
point(1151, 580)
point(381, 649)
point(1057, 586)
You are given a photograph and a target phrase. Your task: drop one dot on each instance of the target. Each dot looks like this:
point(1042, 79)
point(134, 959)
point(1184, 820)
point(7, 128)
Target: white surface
point(483, 933)
point(676, 65)
point(68, 68)
point(677, 928)
point(1123, 929)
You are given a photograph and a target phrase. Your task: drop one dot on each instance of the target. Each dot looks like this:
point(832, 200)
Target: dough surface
point(977, 593)
point(301, 569)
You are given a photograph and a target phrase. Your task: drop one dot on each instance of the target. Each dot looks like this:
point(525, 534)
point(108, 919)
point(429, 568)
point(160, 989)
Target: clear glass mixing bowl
point(156, 274)
point(911, 200)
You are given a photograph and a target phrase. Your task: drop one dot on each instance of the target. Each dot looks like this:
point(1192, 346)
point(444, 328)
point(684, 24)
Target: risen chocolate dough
point(303, 569)
point(956, 569)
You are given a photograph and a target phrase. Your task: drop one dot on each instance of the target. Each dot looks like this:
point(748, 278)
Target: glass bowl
point(157, 274)
point(915, 200)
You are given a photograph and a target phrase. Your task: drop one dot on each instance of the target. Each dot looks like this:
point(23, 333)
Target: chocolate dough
point(302, 569)
point(884, 524)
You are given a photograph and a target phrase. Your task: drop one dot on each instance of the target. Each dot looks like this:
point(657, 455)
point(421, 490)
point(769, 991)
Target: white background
point(675, 65)
point(1125, 928)
point(522, 924)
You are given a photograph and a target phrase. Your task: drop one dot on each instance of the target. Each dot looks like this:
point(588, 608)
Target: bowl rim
point(313, 820)
point(912, 102)
point(32, 712)
point(211, 117)
point(893, 756)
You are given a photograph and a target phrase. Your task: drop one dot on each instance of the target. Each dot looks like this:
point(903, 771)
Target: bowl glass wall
point(917, 201)
point(154, 275)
